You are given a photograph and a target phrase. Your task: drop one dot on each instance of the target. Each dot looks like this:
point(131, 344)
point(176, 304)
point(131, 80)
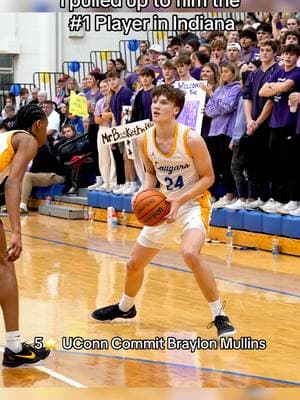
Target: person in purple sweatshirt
point(221, 107)
point(284, 194)
point(258, 111)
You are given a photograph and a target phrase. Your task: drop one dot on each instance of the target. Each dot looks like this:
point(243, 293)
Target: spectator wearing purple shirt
point(284, 196)
point(121, 97)
point(142, 110)
point(258, 110)
point(247, 41)
point(198, 59)
point(221, 107)
point(154, 53)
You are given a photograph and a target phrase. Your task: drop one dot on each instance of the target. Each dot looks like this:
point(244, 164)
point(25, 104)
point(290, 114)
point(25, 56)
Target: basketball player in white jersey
point(176, 157)
point(17, 149)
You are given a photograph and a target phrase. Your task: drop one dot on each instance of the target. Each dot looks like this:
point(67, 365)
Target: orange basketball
point(150, 207)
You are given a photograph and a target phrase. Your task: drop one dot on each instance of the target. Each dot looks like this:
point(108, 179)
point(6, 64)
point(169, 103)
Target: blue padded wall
point(291, 226)
point(218, 217)
point(43, 192)
point(253, 221)
point(235, 219)
point(272, 224)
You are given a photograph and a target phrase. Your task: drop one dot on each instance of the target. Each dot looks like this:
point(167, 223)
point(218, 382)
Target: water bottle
point(48, 200)
point(114, 217)
point(229, 237)
point(123, 217)
point(91, 214)
point(85, 213)
point(109, 216)
point(275, 245)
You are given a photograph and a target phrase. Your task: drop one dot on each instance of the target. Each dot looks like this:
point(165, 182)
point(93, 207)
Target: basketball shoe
point(223, 325)
point(28, 355)
point(112, 312)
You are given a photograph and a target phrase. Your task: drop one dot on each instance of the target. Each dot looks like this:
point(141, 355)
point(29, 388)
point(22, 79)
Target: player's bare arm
point(25, 147)
point(150, 177)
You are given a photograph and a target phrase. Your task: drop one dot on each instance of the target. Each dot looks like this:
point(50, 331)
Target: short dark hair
point(249, 33)
point(49, 102)
point(176, 41)
point(202, 57)
point(69, 126)
point(292, 49)
point(292, 33)
point(27, 115)
point(265, 27)
point(176, 96)
point(147, 71)
point(97, 75)
point(23, 91)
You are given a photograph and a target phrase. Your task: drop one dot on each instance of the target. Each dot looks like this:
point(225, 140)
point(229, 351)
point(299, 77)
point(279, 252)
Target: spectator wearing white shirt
point(53, 120)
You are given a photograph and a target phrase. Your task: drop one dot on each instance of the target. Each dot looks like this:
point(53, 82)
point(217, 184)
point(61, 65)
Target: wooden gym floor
point(69, 268)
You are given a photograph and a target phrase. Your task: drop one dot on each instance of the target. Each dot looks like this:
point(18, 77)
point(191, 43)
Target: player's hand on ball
point(174, 205)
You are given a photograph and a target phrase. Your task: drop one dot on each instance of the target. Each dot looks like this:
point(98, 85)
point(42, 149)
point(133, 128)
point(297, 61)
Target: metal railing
point(100, 58)
point(47, 81)
point(77, 69)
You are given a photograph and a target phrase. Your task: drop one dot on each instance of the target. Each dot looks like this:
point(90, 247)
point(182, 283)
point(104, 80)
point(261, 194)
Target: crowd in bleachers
point(251, 118)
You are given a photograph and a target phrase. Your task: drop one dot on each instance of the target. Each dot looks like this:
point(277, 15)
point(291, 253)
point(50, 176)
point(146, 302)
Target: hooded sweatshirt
point(222, 107)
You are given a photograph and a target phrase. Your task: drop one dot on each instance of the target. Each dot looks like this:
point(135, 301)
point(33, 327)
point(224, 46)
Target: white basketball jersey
point(176, 170)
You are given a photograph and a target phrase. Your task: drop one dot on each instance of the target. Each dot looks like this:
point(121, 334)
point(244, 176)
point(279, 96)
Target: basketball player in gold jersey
point(176, 157)
point(17, 149)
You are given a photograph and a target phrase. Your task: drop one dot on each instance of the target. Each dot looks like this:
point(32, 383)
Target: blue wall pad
point(43, 192)
point(126, 203)
point(253, 221)
point(104, 200)
point(218, 217)
point(272, 223)
point(235, 219)
point(117, 202)
point(92, 196)
point(291, 226)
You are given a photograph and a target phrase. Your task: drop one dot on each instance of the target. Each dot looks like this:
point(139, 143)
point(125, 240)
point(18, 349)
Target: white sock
point(216, 308)
point(126, 302)
point(23, 205)
point(13, 341)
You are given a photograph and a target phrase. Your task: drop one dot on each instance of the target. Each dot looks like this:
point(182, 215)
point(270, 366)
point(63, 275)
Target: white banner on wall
point(192, 113)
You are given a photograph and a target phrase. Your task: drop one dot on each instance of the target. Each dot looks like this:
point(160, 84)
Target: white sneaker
point(290, 206)
point(103, 188)
point(222, 202)
point(295, 212)
point(255, 204)
point(237, 205)
point(97, 184)
point(271, 206)
point(118, 189)
point(131, 188)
